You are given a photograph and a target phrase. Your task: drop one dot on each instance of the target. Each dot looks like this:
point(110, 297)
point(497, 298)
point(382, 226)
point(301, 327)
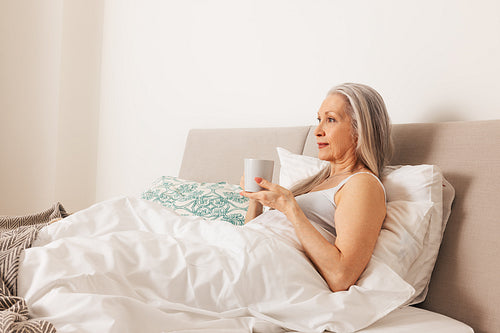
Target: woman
point(347, 198)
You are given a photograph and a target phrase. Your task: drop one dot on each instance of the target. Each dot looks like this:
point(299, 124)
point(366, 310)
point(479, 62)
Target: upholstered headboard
point(464, 284)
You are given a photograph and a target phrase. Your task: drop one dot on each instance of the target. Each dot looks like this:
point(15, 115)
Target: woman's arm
point(255, 208)
point(358, 219)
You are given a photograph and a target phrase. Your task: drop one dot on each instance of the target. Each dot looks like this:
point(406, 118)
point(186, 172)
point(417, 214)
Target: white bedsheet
point(129, 265)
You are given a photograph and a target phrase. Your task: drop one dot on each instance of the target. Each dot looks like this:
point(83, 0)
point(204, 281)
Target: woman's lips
point(322, 145)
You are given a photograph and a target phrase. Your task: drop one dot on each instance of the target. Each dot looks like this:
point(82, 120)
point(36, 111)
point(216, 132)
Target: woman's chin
point(323, 157)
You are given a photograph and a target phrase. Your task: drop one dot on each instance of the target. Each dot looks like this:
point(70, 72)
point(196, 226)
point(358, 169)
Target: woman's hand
point(273, 196)
point(242, 182)
point(255, 208)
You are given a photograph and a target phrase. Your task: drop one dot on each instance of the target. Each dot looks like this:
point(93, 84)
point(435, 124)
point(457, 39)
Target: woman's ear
point(355, 139)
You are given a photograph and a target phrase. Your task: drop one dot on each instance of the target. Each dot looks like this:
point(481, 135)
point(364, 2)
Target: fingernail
point(258, 179)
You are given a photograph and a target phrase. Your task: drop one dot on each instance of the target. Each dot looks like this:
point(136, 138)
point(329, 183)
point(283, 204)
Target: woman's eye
point(319, 120)
point(331, 120)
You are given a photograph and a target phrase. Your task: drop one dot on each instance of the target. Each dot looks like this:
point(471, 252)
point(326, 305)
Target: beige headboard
point(465, 283)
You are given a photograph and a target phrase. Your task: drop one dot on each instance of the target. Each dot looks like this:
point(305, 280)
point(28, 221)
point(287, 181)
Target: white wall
point(75, 130)
point(169, 66)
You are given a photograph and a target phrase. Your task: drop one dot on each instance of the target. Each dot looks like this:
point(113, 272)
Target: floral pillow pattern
point(212, 201)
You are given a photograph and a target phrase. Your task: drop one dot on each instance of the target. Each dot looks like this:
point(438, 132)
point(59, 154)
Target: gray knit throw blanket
point(16, 234)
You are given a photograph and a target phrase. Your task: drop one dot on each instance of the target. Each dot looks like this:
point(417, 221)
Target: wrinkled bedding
point(129, 265)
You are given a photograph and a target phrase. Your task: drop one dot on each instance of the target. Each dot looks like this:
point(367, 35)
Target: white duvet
point(129, 265)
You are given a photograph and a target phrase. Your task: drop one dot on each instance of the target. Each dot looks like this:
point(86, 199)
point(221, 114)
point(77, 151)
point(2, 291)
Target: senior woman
point(347, 198)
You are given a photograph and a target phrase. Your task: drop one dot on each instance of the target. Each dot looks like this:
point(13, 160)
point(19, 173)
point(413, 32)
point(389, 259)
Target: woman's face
point(334, 134)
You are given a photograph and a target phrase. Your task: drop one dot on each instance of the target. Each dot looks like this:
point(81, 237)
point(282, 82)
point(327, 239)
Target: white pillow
point(413, 183)
point(297, 167)
point(420, 183)
point(401, 239)
point(414, 211)
point(421, 270)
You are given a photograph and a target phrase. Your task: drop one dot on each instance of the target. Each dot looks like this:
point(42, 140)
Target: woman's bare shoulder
point(362, 186)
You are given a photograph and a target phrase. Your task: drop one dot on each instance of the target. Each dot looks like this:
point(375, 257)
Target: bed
point(109, 268)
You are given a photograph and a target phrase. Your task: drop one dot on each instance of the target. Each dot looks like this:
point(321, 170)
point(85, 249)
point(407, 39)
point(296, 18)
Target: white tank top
point(319, 206)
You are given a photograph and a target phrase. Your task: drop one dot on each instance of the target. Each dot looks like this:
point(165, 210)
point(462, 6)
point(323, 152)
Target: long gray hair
point(371, 127)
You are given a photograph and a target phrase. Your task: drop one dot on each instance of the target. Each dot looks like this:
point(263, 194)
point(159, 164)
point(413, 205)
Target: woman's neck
point(337, 170)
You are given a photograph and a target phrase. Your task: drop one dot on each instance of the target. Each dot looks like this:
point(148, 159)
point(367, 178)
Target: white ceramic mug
point(257, 168)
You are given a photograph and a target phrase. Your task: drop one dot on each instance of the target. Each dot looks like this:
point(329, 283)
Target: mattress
point(415, 320)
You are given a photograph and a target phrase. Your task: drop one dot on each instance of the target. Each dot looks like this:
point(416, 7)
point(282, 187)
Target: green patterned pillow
point(212, 201)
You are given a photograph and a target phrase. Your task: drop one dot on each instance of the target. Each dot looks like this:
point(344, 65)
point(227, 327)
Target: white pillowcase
point(413, 229)
point(422, 183)
point(401, 239)
point(297, 167)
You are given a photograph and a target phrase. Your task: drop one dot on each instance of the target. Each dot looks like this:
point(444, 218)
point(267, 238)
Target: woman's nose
point(318, 131)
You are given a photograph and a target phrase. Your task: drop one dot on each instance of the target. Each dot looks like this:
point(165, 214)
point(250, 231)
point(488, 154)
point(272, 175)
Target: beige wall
point(79, 103)
point(29, 103)
point(49, 100)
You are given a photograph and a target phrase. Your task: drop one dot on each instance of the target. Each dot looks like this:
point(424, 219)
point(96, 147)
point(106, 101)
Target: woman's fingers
point(256, 196)
point(264, 183)
point(274, 195)
point(242, 182)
